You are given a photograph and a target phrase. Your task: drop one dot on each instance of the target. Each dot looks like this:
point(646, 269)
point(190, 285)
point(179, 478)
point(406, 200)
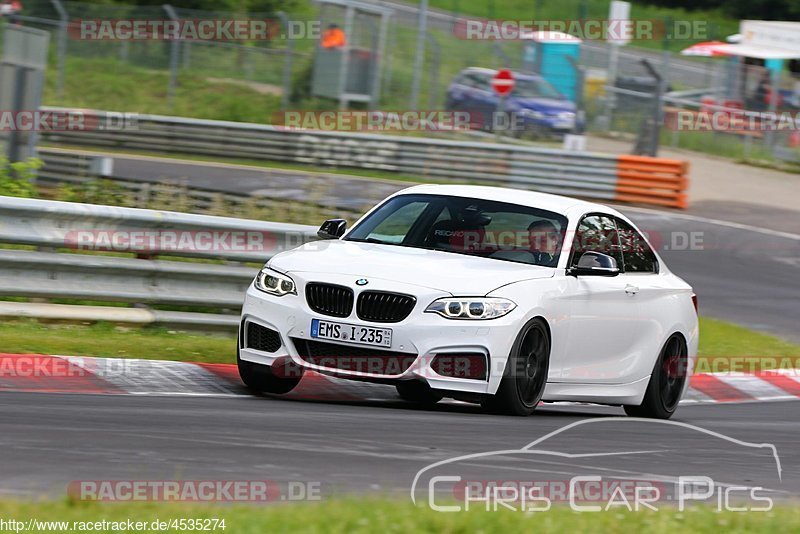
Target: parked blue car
point(540, 109)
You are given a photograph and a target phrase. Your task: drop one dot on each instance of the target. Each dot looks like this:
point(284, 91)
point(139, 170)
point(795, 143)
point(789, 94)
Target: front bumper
point(550, 123)
point(422, 334)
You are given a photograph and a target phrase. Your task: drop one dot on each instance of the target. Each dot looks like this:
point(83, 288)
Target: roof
point(760, 52)
point(534, 199)
point(550, 36)
point(492, 72)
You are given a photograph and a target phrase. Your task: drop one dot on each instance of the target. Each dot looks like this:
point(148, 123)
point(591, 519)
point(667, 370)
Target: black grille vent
point(329, 299)
point(382, 307)
point(261, 338)
point(349, 358)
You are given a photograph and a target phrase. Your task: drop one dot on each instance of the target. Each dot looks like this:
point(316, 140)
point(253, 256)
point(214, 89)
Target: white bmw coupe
point(499, 296)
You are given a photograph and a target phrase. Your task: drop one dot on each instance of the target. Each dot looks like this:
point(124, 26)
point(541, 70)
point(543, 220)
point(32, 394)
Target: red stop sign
point(503, 82)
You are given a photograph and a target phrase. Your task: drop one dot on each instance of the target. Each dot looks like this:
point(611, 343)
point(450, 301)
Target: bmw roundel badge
point(362, 282)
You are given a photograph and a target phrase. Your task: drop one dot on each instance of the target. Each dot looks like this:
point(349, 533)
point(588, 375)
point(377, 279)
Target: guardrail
point(131, 274)
point(584, 174)
point(62, 166)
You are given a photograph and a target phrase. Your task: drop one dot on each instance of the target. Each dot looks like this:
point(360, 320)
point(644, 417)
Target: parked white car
point(494, 295)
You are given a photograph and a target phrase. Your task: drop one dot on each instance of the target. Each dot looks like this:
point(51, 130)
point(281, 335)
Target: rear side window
point(636, 253)
point(478, 80)
point(597, 233)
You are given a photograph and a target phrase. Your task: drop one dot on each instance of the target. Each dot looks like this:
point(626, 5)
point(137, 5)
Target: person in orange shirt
point(333, 37)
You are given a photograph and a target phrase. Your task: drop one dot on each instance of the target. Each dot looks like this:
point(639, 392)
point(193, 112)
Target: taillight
point(694, 301)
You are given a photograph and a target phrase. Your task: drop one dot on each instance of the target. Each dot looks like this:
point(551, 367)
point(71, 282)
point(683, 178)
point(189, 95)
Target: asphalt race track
point(740, 275)
point(50, 440)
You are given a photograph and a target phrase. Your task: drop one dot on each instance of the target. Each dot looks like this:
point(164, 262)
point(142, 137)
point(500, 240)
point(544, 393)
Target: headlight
point(274, 283)
point(471, 308)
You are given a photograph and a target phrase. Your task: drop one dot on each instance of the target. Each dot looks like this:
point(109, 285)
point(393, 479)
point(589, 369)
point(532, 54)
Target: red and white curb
point(75, 374)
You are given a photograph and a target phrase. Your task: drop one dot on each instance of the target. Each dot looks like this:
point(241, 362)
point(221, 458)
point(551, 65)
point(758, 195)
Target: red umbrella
point(706, 49)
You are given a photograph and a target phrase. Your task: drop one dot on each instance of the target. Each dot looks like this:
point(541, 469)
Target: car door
point(485, 100)
point(470, 99)
point(654, 294)
point(458, 93)
point(604, 311)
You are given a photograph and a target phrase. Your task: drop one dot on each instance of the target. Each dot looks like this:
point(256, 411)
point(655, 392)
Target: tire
point(417, 392)
point(262, 378)
point(666, 382)
point(525, 377)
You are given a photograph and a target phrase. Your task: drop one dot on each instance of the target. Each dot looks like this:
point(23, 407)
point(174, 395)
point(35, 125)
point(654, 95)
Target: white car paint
point(606, 332)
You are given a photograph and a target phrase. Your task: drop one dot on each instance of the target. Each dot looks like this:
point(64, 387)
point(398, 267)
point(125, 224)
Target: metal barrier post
point(580, 80)
point(376, 76)
point(287, 62)
point(419, 60)
point(174, 50)
point(61, 46)
point(654, 132)
point(433, 89)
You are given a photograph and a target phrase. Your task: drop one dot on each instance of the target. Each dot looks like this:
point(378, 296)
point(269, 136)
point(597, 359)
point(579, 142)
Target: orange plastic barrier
point(658, 181)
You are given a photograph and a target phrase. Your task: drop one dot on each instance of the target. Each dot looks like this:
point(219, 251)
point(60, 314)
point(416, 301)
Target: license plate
point(564, 124)
point(351, 333)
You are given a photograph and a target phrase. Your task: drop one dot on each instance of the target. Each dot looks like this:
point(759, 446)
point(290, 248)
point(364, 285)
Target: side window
point(637, 254)
point(596, 233)
point(479, 80)
point(469, 80)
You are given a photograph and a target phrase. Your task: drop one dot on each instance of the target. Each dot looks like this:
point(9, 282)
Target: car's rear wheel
point(525, 377)
point(417, 392)
point(666, 383)
point(264, 378)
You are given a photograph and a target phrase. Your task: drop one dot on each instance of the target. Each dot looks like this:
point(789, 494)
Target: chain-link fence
point(250, 80)
point(80, 68)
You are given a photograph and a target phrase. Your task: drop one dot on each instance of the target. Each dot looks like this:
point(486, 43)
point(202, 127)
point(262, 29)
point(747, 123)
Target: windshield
point(476, 227)
point(535, 89)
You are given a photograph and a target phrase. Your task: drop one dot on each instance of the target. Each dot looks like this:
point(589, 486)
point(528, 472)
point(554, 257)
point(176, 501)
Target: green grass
point(103, 339)
point(108, 84)
point(725, 346)
point(721, 344)
point(351, 515)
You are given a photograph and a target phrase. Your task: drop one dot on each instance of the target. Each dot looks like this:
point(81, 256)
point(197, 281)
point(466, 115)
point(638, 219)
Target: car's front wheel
point(417, 392)
point(666, 383)
point(525, 377)
point(263, 379)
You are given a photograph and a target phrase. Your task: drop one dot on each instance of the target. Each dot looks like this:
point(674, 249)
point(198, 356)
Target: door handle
point(631, 290)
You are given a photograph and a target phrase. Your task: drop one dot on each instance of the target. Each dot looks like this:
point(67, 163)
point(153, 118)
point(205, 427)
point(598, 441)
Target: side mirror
point(595, 264)
point(332, 229)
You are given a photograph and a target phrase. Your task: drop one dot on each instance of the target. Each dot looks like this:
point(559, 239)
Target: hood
point(459, 274)
point(545, 104)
